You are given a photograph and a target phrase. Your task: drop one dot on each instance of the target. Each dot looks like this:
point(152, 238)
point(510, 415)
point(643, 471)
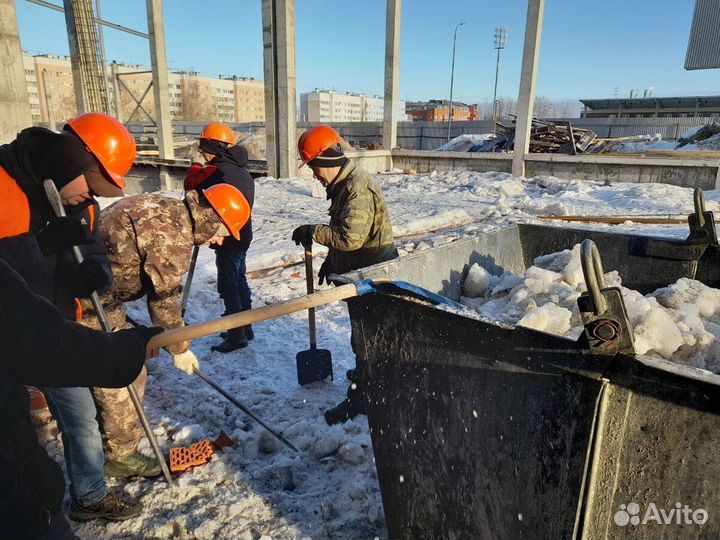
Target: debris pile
point(545, 137)
point(680, 322)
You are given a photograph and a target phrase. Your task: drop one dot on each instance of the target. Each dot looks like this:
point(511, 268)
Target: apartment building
point(331, 106)
point(193, 96)
point(438, 110)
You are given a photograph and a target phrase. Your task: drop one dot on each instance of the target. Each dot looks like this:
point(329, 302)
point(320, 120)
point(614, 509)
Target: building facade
point(331, 106)
point(652, 107)
point(193, 96)
point(438, 110)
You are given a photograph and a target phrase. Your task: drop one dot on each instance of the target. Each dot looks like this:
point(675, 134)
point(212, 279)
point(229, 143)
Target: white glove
point(186, 362)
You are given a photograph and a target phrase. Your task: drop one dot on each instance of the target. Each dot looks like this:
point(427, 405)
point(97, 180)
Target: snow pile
point(680, 322)
point(467, 142)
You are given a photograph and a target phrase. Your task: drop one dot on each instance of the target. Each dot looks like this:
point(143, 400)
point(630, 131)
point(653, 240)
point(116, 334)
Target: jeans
point(232, 285)
point(74, 410)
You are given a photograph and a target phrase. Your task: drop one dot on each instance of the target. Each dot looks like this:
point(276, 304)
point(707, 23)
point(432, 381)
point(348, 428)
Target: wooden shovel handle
point(272, 311)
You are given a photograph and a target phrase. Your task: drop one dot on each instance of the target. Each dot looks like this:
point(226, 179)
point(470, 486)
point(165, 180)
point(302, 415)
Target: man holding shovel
point(149, 239)
point(359, 233)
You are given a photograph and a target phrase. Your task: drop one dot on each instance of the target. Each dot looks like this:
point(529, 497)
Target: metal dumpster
point(482, 431)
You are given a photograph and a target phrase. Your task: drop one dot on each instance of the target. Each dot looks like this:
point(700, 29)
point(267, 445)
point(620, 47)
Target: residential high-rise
point(331, 106)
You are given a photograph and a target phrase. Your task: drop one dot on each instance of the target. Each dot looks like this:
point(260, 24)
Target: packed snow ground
point(330, 489)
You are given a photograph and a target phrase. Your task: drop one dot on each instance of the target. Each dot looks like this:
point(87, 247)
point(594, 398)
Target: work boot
point(235, 339)
point(110, 507)
point(135, 465)
point(249, 334)
point(342, 412)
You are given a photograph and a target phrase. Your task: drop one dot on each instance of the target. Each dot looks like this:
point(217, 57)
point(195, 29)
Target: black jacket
point(24, 159)
point(231, 170)
point(39, 347)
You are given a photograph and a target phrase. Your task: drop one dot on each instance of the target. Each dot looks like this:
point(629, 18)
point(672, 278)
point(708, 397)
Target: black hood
point(237, 155)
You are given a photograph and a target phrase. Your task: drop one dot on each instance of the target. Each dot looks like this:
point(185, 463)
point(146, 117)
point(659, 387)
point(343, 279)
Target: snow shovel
point(188, 281)
point(56, 202)
point(314, 364)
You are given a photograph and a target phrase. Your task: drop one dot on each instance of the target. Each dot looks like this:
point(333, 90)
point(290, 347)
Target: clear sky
point(589, 48)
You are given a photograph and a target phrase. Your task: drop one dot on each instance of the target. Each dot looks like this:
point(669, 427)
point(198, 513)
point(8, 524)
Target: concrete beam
point(528, 79)
point(75, 58)
point(14, 103)
point(161, 89)
point(280, 87)
point(392, 73)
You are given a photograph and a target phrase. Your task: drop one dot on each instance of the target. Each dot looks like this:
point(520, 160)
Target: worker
point(39, 347)
point(225, 162)
point(359, 233)
point(89, 157)
point(149, 239)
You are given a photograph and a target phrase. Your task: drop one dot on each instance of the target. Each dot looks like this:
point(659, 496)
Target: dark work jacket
point(229, 168)
point(39, 347)
point(48, 277)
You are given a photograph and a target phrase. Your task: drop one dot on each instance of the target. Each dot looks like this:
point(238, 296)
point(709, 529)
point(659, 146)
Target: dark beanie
point(211, 146)
point(63, 158)
point(332, 157)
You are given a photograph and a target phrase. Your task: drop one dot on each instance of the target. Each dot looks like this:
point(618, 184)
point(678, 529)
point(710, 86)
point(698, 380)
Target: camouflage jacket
point(149, 240)
point(360, 232)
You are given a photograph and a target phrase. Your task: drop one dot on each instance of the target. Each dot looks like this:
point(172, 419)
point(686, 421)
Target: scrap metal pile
point(545, 137)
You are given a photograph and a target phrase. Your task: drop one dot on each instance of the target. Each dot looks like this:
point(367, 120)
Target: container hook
point(699, 200)
point(594, 275)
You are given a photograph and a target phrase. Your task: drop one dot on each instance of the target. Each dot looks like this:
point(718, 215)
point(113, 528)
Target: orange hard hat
point(315, 141)
point(217, 131)
point(109, 141)
point(231, 205)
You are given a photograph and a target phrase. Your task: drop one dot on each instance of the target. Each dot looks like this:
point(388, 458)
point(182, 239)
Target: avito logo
point(681, 514)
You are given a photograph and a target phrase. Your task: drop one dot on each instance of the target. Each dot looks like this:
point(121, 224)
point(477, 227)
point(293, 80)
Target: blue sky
point(589, 48)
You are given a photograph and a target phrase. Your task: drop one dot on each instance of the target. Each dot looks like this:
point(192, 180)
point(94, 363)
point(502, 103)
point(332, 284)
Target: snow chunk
point(477, 281)
point(549, 318)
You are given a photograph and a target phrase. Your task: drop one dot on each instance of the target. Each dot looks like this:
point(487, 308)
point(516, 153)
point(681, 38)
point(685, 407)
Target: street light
point(452, 78)
point(500, 40)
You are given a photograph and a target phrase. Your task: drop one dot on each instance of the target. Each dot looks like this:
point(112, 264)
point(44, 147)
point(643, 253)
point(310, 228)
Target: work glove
point(86, 278)
point(325, 270)
point(62, 233)
point(304, 235)
point(186, 362)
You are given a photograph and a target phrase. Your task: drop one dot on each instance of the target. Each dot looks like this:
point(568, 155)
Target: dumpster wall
point(475, 435)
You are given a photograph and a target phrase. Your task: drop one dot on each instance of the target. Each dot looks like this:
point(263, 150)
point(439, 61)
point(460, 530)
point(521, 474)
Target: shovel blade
point(313, 365)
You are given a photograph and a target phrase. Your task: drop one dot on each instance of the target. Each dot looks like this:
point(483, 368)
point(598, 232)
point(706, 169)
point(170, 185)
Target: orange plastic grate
point(37, 399)
point(181, 459)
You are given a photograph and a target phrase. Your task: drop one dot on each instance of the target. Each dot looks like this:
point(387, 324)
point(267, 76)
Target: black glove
point(325, 270)
point(146, 332)
point(86, 278)
point(304, 235)
point(62, 233)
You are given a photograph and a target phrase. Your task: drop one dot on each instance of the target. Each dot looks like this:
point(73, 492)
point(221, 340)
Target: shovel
point(314, 364)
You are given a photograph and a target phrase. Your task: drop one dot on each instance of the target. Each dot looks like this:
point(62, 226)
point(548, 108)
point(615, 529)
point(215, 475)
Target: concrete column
point(116, 91)
point(161, 89)
point(75, 61)
point(528, 78)
point(280, 87)
point(392, 73)
point(14, 102)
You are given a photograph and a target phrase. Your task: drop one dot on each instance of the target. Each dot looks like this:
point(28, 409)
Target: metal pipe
point(97, 20)
point(452, 80)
